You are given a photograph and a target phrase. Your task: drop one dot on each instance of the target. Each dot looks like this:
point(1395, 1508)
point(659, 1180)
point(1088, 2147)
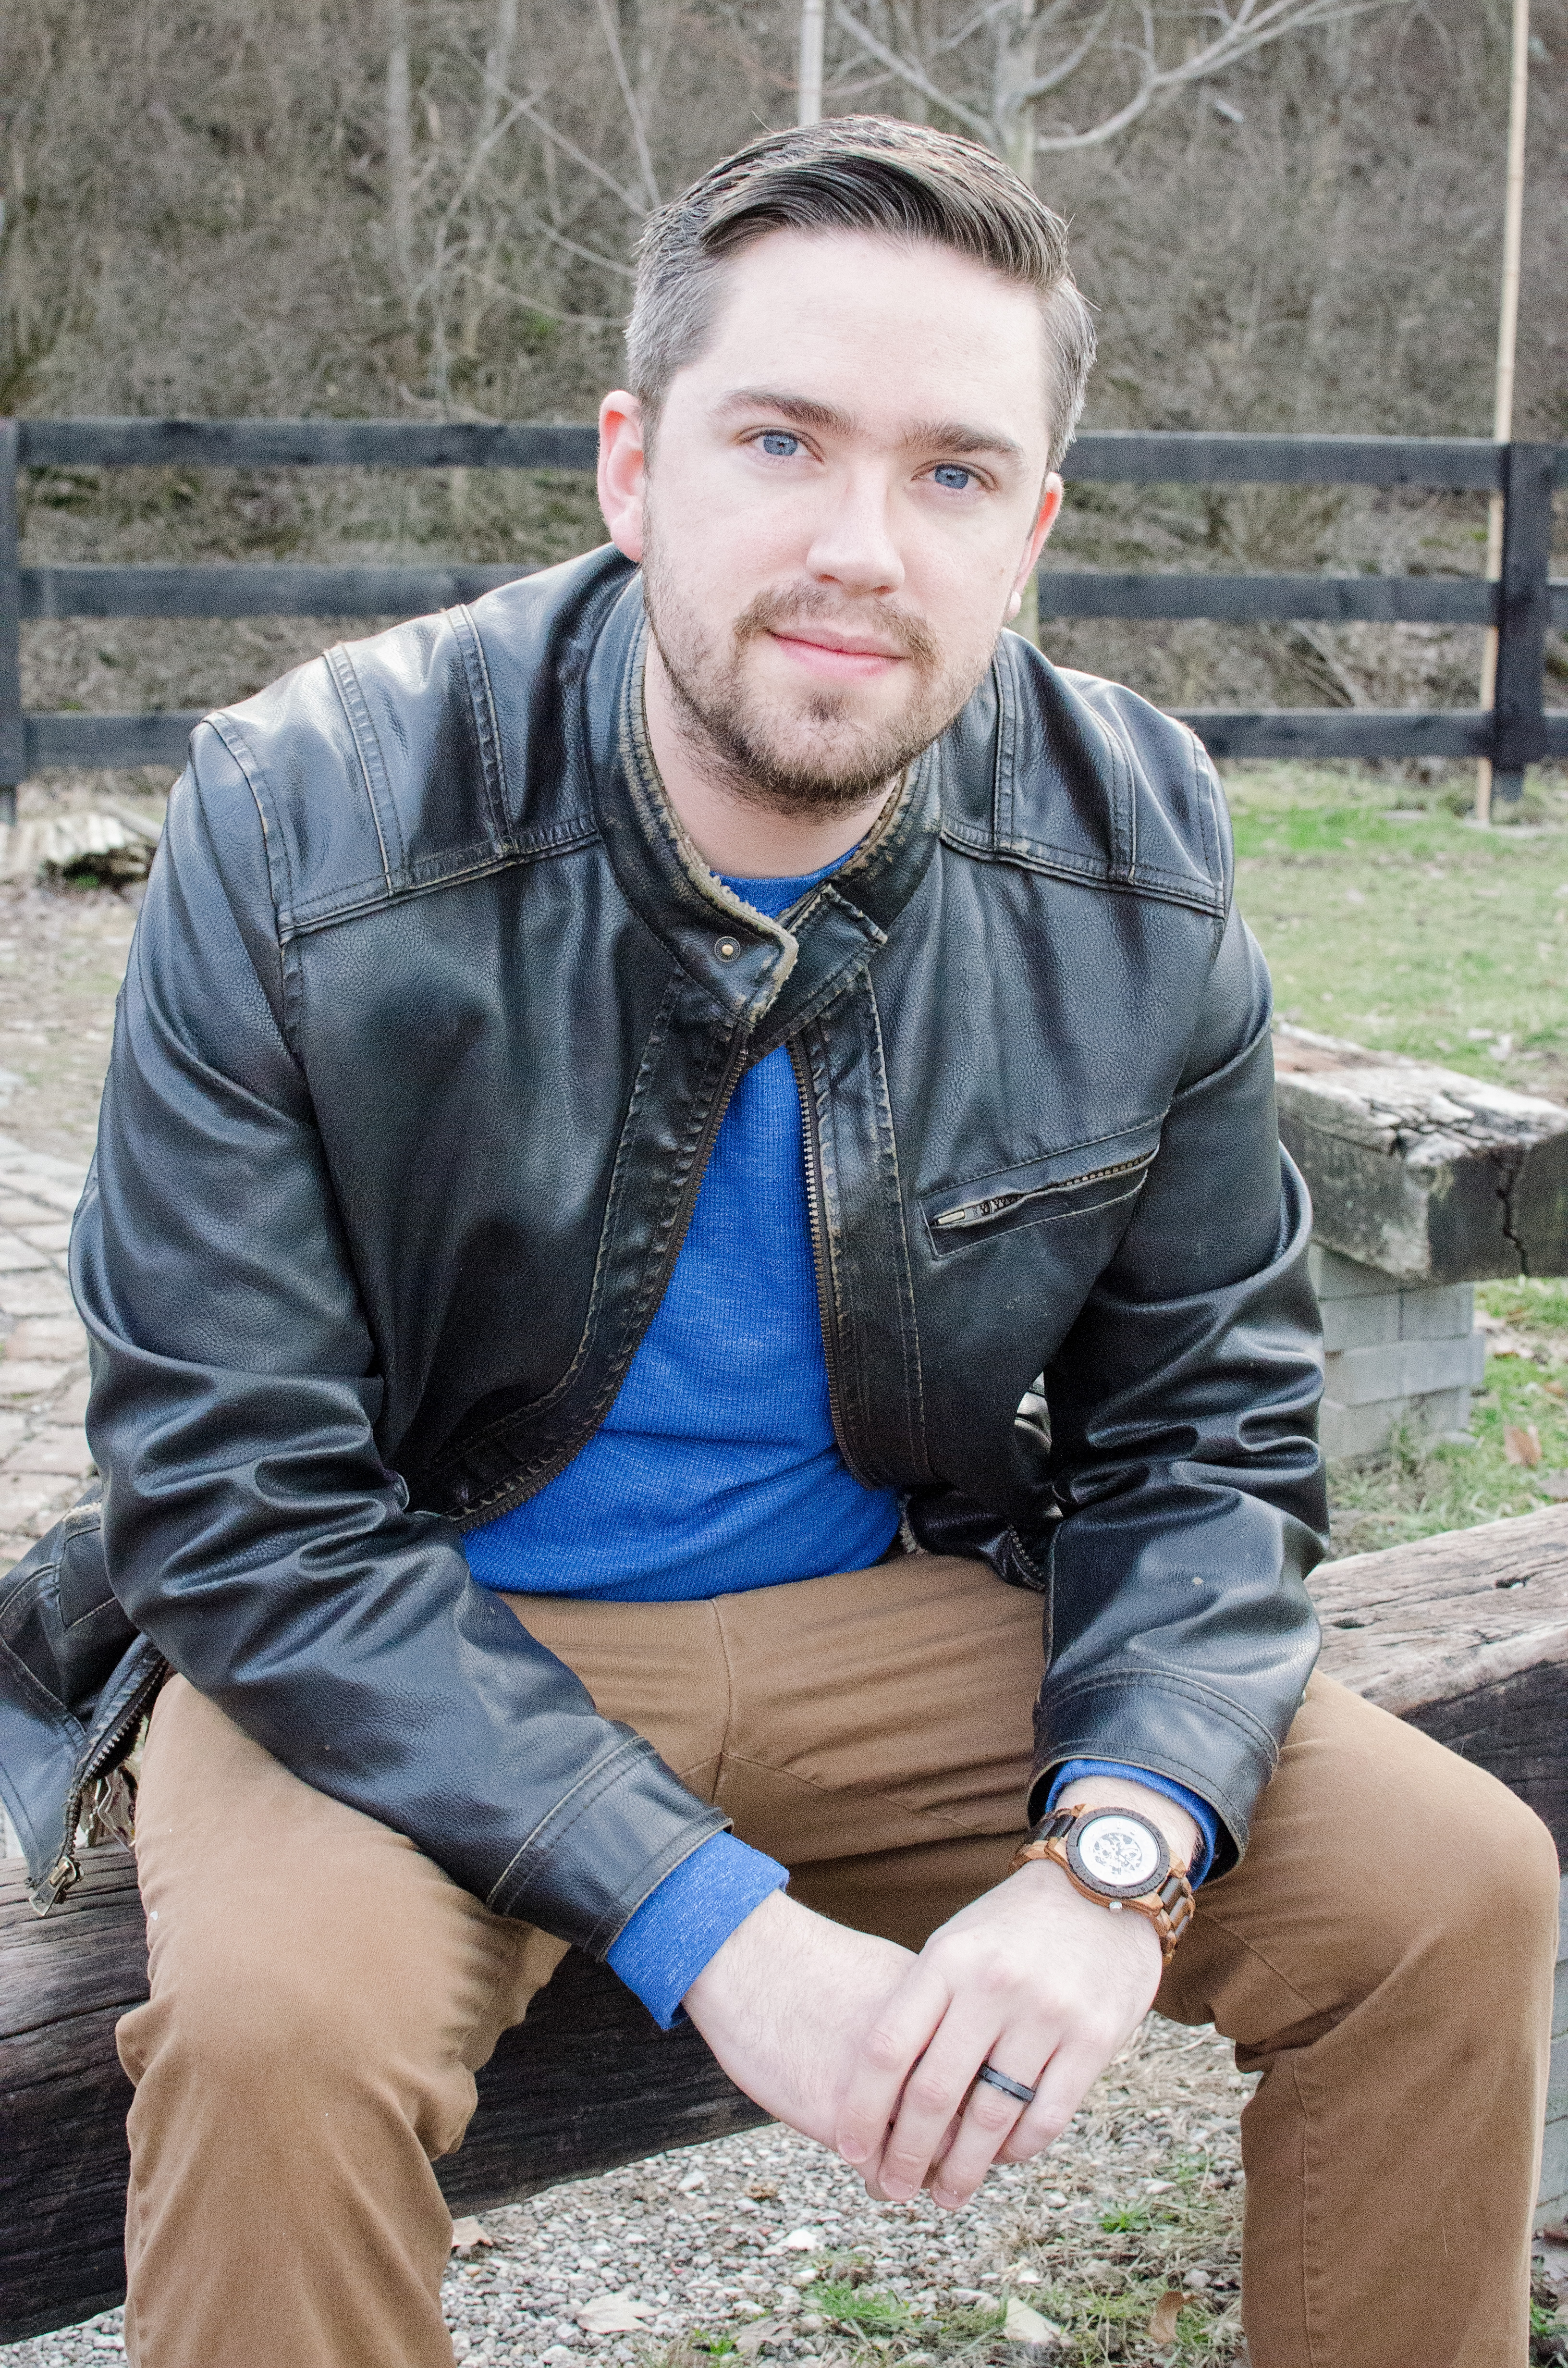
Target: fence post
point(1519, 734)
point(12, 764)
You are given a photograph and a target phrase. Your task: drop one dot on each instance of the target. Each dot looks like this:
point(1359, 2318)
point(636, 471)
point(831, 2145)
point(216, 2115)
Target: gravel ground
point(765, 2246)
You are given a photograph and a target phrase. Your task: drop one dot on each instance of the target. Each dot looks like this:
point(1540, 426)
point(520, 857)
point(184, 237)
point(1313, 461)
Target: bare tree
point(400, 148)
point(1001, 70)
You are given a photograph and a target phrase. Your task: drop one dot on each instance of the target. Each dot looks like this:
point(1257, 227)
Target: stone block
point(17, 1257)
point(1553, 2189)
point(1368, 1322)
point(1356, 1431)
point(1437, 1312)
point(1334, 1277)
point(56, 1338)
point(54, 1236)
point(1419, 1171)
point(22, 1496)
point(29, 1377)
point(58, 1448)
point(70, 1406)
point(45, 1294)
point(1399, 1369)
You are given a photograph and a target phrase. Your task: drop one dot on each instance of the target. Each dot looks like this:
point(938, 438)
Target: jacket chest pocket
point(1069, 1183)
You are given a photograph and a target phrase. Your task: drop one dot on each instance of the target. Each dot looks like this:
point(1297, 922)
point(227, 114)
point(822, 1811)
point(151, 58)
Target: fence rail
point(1523, 605)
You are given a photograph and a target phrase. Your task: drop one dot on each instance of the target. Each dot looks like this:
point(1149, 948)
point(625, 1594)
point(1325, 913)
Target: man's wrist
point(683, 1924)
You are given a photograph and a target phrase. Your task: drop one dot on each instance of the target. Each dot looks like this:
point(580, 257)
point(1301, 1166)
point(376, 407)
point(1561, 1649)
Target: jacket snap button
point(726, 949)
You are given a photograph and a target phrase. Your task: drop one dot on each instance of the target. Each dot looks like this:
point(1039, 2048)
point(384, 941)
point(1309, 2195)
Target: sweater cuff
point(1202, 1816)
point(684, 1923)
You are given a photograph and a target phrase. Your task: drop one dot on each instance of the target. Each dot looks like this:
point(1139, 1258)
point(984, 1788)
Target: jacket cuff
point(1179, 1728)
point(681, 1926)
point(1199, 1810)
point(588, 1867)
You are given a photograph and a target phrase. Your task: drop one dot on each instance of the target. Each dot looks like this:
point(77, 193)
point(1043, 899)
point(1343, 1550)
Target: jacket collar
point(781, 974)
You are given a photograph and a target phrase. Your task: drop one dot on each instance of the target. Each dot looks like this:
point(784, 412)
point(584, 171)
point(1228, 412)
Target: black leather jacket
point(430, 1021)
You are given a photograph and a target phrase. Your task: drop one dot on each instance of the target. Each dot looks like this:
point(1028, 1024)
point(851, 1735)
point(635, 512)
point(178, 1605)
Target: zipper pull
point(62, 1875)
point(973, 1212)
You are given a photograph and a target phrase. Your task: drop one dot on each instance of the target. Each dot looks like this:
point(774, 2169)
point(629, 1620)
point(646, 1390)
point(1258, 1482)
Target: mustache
point(772, 612)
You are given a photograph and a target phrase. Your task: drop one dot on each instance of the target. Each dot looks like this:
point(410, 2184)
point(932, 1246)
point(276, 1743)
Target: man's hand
point(873, 2051)
point(786, 2004)
point(1032, 1978)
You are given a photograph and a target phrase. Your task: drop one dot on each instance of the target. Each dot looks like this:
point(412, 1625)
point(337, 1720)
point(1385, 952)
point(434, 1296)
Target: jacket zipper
point(819, 1252)
point(510, 1501)
point(105, 1756)
point(975, 1213)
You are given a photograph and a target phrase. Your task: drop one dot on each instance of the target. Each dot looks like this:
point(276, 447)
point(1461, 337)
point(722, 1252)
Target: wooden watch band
point(1168, 1905)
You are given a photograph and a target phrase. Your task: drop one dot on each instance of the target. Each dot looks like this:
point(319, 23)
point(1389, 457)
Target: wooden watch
point(1120, 1859)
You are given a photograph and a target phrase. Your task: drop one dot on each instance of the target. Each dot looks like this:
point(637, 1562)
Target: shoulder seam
point(366, 748)
point(491, 757)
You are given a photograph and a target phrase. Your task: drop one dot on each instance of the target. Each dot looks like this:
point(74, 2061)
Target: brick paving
point(44, 1457)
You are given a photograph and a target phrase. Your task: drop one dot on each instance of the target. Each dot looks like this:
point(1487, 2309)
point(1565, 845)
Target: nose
point(854, 545)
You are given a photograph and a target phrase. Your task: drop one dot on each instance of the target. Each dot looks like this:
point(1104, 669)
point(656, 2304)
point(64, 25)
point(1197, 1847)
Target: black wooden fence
point(1516, 731)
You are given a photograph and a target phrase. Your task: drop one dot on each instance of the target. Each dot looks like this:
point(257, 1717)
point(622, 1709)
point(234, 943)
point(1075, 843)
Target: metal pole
point(814, 15)
point(1510, 787)
point(12, 751)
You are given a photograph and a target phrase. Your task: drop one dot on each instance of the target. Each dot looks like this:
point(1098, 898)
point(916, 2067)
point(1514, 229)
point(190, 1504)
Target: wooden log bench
point(1464, 1635)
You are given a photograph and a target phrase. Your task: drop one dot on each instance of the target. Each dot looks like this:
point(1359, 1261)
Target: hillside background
point(423, 207)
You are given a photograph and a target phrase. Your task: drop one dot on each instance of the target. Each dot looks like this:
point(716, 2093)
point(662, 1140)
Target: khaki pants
point(322, 1993)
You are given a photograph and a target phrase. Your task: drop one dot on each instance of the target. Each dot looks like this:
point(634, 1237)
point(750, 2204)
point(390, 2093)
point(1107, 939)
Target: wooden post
point(812, 30)
point(12, 751)
point(1509, 785)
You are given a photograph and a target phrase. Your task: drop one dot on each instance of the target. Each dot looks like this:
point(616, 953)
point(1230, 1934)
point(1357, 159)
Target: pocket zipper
point(975, 1213)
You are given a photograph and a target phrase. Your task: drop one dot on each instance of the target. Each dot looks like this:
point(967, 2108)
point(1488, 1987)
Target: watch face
point(1119, 1852)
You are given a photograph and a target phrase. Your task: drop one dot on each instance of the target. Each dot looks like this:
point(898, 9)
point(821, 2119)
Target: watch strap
point(1168, 1905)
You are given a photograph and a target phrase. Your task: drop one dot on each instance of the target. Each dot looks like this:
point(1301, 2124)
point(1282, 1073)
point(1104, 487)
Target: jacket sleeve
point(251, 1526)
point(1184, 1404)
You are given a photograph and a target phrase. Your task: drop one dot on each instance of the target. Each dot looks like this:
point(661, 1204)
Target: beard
point(813, 755)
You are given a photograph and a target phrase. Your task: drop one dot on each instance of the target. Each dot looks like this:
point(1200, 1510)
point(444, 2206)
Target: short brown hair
point(863, 173)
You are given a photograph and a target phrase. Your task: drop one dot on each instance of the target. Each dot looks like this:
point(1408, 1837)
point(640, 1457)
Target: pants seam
point(1218, 1924)
point(870, 1793)
point(1308, 2214)
point(730, 1694)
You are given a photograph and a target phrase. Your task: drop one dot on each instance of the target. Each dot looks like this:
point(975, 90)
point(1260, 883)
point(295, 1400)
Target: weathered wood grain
point(587, 2082)
point(1465, 1634)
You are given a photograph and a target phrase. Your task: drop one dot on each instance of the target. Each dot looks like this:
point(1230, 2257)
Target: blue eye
point(955, 479)
point(779, 445)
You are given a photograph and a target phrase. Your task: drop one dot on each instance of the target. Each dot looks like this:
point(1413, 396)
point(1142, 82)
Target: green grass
point(1420, 1487)
point(1425, 935)
point(1389, 918)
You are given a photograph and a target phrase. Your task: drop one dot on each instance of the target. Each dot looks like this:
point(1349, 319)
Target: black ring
point(994, 2079)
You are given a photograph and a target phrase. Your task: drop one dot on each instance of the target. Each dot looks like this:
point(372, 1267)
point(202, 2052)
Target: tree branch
point(906, 72)
point(634, 206)
point(628, 99)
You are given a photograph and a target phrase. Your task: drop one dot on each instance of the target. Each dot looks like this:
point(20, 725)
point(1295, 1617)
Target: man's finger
point(945, 2085)
point(1062, 2084)
point(883, 2061)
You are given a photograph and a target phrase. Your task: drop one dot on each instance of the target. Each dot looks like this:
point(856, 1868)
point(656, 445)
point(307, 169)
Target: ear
point(1045, 518)
point(623, 471)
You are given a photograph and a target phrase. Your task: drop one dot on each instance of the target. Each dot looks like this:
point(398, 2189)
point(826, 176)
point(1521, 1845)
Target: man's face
point(848, 489)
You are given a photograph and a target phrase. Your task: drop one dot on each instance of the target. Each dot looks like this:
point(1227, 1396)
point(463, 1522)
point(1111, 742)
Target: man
point(685, 1153)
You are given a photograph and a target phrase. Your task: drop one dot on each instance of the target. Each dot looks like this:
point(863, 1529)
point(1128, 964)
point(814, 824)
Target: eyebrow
point(943, 435)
